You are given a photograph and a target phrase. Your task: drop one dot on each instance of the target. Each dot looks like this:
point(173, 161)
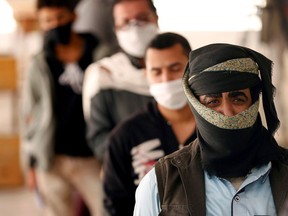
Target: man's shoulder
point(39, 56)
point(102, 67)
point(38, 64)
point(139, 117)
point(121, 97)
point(183, 156)
point(97, 75)
point(132, 131)
point(138, 120)
point(110, 60)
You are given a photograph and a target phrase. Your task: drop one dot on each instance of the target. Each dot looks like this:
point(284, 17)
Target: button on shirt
point(254, 197)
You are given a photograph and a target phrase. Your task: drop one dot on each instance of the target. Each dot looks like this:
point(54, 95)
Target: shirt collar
point(255, 174)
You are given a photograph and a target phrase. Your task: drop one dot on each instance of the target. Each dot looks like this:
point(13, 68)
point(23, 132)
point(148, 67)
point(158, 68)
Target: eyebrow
point(230, 94)
point(169, 66)
point(237, 93)
point(218, 95)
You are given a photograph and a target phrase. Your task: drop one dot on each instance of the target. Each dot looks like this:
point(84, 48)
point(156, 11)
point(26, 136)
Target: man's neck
point(72, 51)
point(181, 121)
point(139, 63)
point(236, 182)
point(174, 116)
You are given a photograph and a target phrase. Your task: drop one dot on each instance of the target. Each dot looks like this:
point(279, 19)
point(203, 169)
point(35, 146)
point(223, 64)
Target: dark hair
point(69, 4)
point(150, 2)
point(169, 39)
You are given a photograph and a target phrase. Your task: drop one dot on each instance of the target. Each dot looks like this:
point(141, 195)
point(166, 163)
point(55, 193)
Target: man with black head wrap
point(235, 167)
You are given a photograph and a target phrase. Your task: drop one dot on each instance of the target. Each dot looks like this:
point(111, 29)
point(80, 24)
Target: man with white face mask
point(116, 86)
point(163, 127)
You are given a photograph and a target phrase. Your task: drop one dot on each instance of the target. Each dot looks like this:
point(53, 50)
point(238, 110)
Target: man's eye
point(239, 100)
point(176, 68)
point(155, 72)
point(211, 103)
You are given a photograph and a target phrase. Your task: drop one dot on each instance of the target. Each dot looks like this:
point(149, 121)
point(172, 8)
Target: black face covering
point(58, 35)
point(233, 153)
point(231, 145)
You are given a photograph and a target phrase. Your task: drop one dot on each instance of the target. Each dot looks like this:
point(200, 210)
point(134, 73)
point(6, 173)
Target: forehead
point(159, 57)
point(50, 17)
point(51, 12)
point(131, 9)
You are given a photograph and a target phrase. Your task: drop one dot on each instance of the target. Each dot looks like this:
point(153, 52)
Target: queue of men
point(179, 129)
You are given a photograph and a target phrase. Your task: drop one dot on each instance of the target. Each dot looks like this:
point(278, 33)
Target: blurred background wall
point(258, 24)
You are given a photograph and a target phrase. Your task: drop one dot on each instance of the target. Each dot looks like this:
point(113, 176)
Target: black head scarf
point(231, 146)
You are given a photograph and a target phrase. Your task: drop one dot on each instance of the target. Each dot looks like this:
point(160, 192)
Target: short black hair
point(169, 39)
point(150, 2)
point(69, 4)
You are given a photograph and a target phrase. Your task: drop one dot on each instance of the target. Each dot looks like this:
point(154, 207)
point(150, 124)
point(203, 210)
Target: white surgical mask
point(135, 39)
point(169, 94)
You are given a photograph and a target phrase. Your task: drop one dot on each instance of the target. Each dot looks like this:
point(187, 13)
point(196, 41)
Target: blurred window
point(209, 15)
point(7, 21)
